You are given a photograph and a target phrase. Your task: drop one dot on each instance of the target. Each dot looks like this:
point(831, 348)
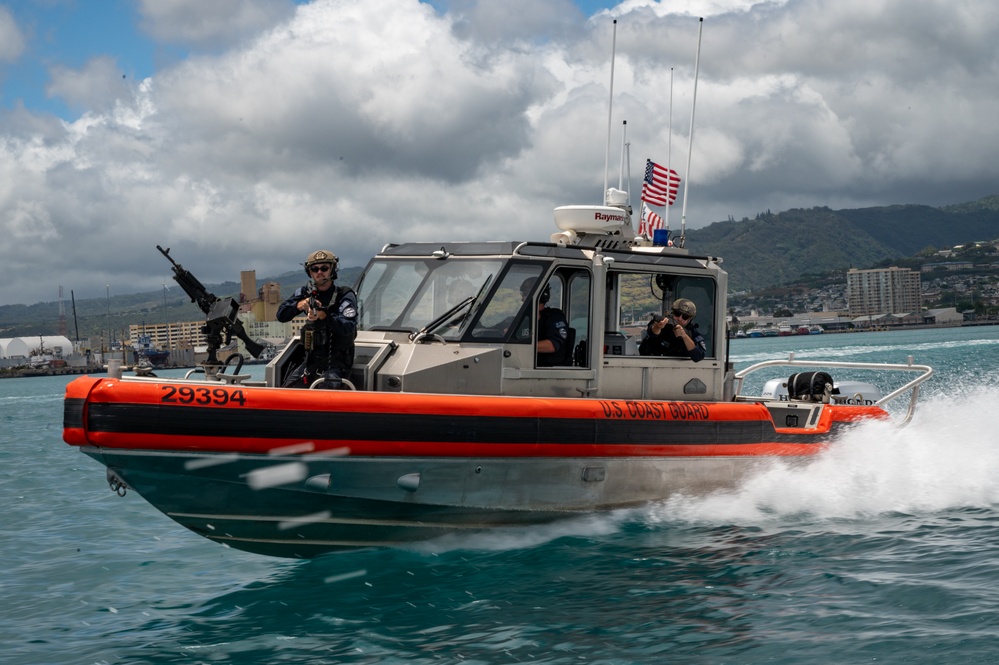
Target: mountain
point(775, 249)
point(770, 250)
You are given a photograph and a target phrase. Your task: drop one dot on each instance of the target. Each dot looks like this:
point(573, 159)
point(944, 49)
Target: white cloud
point(352, 123)
point(210, 24)
point(96, 87)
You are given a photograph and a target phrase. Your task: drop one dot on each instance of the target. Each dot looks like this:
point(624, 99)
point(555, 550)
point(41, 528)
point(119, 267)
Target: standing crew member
point(675, 335)
point(328, 336)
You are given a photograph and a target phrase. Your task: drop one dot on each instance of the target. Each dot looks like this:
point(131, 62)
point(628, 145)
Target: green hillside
point(776, 249)
point(761, 253)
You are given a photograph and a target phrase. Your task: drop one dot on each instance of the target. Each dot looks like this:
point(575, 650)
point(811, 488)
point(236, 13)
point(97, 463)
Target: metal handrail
point(912, 387)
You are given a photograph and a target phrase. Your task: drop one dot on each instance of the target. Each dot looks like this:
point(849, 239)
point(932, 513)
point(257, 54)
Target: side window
point(701, 290)
point(577, 312)
point(640, 295)
point(637, 300)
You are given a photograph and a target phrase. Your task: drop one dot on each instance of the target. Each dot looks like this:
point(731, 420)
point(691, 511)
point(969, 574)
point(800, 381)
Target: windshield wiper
point(446, 317)
point(436, 323)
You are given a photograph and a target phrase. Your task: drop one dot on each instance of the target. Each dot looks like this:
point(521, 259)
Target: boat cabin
point(462, 317)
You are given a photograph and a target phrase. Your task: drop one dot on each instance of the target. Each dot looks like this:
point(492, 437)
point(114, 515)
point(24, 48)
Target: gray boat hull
point(307, 505)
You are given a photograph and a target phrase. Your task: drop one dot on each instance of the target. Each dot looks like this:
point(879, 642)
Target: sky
point(244, 134)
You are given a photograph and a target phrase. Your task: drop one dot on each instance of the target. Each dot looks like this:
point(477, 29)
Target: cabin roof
point(645, 256)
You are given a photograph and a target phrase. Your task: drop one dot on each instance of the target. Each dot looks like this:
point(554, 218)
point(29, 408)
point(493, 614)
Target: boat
point(148, 355)
point(450, 424)
point(815, 329)
point(755, 332)
point(785, 330)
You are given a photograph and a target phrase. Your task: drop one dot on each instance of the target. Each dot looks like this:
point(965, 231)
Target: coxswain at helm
point(553, 329)
point(676, 334)
point(328, 335)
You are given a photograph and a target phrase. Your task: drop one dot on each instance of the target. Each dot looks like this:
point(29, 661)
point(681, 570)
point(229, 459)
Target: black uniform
point(331, 339)
point(552, 326)
point(667, 343)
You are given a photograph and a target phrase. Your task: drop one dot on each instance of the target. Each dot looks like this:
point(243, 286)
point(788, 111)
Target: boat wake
point(944, 459)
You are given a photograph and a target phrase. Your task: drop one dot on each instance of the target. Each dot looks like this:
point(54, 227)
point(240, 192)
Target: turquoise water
point(884, 550)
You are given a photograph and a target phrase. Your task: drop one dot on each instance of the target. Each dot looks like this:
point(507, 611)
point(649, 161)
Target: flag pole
point(610, 106)
point(669, 147)
point(690, 144)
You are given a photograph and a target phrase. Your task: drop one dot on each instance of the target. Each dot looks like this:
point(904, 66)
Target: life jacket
point(325, 350)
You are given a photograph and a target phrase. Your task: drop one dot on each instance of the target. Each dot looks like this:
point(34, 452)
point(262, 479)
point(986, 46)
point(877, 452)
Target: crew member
point(675, 335)
point(328, 335)
point(553, 330)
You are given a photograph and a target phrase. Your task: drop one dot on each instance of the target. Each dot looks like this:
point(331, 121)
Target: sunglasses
point(322, 267)
point(681, 315)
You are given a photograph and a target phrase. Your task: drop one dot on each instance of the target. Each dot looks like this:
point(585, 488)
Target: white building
point(57, 346)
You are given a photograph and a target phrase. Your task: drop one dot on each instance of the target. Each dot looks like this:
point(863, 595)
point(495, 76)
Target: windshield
point(407, 294)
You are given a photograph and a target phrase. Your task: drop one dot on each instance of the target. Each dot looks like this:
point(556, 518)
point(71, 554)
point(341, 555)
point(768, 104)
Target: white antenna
point(669, 148)
point(690, 145)
point(627, 161)
point(624, 142)
point(610, 105)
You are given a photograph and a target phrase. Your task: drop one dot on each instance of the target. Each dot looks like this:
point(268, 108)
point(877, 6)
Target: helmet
point(322, 256)
point(686, 306)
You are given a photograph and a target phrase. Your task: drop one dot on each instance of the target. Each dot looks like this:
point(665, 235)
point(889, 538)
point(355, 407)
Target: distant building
point(944, 316)
point(170, 336)
point(270, 296)
point(947, 265)
point(882, 291)
point(263, 302)
point(22, 347)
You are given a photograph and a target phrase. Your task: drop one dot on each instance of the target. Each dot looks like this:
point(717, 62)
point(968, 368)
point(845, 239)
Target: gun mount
point(221, 320)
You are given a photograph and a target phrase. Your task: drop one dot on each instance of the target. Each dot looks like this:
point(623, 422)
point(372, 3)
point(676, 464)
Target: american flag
point(650, 221)
point(660, 184)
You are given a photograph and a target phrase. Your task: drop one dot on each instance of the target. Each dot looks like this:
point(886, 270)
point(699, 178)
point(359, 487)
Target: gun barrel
point(166, 253)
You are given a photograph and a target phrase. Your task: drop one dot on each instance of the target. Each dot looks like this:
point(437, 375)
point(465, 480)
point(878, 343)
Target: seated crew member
point(675, 335)
point(553, 329)
point(329, 334)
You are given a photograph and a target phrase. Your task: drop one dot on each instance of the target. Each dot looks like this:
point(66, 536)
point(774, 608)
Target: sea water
point(884, 550)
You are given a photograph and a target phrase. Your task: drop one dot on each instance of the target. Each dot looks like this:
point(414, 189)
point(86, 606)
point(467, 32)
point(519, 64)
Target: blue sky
point(71, 32)
point(231, 130)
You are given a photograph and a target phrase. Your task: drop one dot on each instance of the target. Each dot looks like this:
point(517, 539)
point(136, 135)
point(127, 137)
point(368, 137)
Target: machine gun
point(221, 322)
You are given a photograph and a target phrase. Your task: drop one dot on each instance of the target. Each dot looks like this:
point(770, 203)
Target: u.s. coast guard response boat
point(451, 424)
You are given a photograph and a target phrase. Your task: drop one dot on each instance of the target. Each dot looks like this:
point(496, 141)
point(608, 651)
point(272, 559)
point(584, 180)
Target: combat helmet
point(322, 256)
point(685, 306)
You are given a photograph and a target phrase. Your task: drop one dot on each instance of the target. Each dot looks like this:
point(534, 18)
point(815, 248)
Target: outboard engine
point(810, 387)
point(843, 392)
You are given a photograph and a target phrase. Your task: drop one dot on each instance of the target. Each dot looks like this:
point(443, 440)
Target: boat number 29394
point(199, 395)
